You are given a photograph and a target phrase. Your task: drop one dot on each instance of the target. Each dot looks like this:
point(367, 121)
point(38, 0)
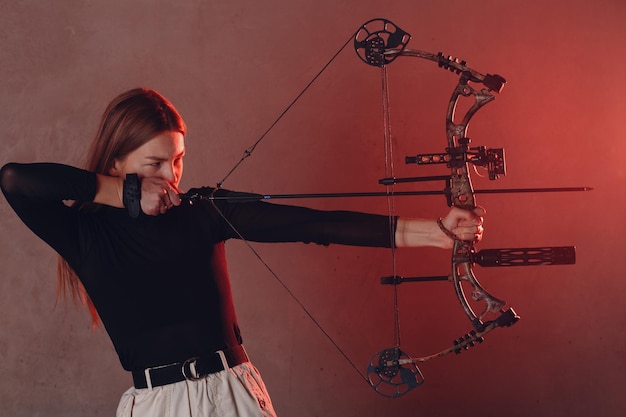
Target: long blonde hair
point(129, 121)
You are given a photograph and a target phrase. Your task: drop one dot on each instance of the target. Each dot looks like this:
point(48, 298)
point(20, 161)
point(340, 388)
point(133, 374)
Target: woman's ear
point(116, 169)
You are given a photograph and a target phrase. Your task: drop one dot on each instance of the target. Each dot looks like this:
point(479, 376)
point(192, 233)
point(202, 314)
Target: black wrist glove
point(132, 195)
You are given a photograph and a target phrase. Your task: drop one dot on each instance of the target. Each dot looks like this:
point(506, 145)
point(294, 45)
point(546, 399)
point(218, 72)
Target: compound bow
point(391, 372)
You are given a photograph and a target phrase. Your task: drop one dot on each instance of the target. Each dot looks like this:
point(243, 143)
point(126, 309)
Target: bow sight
point(456, 157)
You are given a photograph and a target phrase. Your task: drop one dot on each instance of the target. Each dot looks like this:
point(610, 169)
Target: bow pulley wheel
point(392, 373)
point(377, 36)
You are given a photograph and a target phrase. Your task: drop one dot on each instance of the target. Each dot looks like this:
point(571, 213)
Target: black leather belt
point(192, 369)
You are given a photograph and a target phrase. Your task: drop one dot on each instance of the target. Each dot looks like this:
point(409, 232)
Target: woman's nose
point(169, 173)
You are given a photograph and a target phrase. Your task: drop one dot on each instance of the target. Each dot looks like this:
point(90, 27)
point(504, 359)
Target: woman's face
point(160, 157)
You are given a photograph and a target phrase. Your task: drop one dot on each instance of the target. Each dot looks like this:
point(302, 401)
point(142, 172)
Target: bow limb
point(469, 340)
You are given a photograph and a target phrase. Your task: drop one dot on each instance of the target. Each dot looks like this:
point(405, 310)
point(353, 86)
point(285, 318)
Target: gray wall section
point(231, 68)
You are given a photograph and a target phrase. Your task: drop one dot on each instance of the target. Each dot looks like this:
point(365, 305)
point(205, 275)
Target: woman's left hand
point(465, 224)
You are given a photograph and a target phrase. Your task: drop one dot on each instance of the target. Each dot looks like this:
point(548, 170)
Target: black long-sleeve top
point(160, 283)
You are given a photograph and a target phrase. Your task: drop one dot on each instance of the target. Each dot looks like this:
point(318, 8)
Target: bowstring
point(288, 291)
point(247, 153)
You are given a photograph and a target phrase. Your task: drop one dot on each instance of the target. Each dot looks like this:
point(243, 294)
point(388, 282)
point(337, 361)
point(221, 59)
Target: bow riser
point(455, 132)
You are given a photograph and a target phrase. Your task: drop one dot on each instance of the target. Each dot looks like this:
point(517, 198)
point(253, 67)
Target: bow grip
point(460, 192)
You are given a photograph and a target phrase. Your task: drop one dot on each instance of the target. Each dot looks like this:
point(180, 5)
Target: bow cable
point(391, 210)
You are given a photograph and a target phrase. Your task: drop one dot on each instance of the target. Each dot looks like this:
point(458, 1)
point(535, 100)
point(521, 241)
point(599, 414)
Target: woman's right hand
point(158, 196)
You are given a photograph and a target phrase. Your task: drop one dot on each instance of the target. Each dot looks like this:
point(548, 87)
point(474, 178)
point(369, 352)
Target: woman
point(152, 268)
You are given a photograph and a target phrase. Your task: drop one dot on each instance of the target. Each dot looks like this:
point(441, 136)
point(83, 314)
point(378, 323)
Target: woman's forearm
point(420, 232)
point(109, 191)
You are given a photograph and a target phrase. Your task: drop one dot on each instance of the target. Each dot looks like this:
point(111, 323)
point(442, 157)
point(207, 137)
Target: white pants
point(234, 392)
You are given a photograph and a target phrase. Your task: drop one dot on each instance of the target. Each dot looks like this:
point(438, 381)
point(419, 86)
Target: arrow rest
point(392, 373)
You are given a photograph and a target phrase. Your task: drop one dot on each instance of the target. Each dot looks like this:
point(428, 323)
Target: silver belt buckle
point(192, 374)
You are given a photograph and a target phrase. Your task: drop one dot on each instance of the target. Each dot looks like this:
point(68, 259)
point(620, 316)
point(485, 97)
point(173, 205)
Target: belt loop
point(222, 356)
point(148, 379)
point(193, 372)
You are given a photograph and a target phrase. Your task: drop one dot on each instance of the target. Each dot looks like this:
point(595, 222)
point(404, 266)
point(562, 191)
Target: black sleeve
point(268, 222)
point(37, 192)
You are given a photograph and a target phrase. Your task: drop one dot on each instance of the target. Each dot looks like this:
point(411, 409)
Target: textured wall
point(231, 68)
